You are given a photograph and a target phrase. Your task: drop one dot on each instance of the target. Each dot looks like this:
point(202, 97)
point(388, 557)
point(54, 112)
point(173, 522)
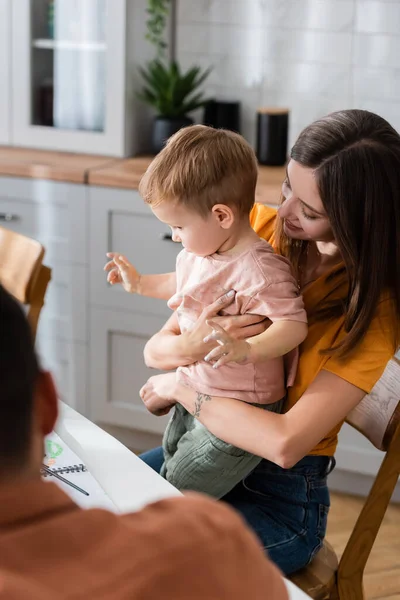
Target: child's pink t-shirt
point(264, 285)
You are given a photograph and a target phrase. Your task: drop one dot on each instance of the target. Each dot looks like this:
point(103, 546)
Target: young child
point(202, 184)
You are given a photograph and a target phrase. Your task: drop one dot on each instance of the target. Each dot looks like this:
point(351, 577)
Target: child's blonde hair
point(201, 167)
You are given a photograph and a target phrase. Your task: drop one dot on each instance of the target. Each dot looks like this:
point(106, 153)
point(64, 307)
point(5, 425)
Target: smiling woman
point(339, 225)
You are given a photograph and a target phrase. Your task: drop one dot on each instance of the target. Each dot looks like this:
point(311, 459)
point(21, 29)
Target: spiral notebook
point(62, 460)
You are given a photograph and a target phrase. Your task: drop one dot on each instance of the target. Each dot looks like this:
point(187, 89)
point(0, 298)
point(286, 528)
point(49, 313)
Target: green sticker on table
point(53, 449)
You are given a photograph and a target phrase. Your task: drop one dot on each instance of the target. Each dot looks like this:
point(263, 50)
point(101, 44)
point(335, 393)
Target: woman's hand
point(228, 349)
point(169, 349)
point(237, 327)
point(158, 393)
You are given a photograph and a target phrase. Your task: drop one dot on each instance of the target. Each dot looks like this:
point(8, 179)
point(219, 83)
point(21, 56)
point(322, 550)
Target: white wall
point(312, 56)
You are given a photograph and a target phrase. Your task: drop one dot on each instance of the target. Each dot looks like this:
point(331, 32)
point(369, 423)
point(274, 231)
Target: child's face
point(199, 235)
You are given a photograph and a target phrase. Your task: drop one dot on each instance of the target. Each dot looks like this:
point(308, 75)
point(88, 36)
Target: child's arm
point(120, 270)
point(279, 339)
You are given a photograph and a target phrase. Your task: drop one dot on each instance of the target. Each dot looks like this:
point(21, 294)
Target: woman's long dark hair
point(355, 155)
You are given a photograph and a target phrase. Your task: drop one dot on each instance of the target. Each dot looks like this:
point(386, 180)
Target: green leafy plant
point(170, 91)
point(158, 11)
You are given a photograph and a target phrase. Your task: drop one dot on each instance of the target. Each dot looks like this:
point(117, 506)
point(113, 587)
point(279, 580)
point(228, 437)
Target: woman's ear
point(224, 215)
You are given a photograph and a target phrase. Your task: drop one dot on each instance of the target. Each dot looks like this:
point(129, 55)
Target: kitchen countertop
point(107, 171)
point(126, 174)
point(43, 164)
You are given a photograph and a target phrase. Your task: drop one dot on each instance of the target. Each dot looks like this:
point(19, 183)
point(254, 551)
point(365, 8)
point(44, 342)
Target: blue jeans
point(287, 508)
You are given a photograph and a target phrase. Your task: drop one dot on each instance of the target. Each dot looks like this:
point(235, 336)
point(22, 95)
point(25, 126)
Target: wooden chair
point(22, 273)
point(378, 418)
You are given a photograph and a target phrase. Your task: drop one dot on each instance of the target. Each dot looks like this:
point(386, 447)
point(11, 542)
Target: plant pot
point(164, 127)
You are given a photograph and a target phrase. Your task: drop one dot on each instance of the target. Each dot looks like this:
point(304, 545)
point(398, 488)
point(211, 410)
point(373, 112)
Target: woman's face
point(303, 214)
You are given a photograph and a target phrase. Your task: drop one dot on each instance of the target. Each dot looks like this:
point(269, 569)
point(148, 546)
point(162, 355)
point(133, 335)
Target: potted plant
point(172, 93)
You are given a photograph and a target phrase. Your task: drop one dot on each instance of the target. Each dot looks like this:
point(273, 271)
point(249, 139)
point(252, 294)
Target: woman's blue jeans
point(287, 508)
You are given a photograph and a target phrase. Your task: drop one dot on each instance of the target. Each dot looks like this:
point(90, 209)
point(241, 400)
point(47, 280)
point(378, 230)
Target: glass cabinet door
point(68, 73)
point(68, 64)
point(5, 71)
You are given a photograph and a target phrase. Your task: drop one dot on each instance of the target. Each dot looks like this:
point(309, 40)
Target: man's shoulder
point(203, 515)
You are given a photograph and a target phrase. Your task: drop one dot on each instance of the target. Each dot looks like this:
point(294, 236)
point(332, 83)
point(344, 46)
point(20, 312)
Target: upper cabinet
point(5, 71)
point(71, 83)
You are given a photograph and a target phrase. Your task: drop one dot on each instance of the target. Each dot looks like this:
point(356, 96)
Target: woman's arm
point(281, 438)
point(169, 349)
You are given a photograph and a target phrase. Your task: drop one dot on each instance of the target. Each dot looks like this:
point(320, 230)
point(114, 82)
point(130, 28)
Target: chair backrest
point(378, 418)
point(378, 414)
point(22, 273)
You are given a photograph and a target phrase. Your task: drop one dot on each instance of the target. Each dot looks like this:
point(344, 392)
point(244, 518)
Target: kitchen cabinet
point(5, 71)
point(121, 323)
point(56, 215)
point(74, 74)
point(121, 222)
point(117, 369)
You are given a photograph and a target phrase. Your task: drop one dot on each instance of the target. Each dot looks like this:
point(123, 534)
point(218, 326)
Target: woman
point(339, 224)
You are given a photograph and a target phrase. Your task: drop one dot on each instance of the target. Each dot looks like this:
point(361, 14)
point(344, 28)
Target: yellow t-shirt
point(363, 367)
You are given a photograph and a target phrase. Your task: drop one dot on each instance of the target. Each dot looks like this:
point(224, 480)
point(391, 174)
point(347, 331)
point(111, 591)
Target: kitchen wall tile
point(376, 84)
point(221, 39)
point(327, 15)
point(305, 108)
point(192, 38)
point(375, 16)
point(376, 50)
point(313, 56)
point(234, 12)
point(228, 70)
point(236, 41)
point(307, 46)
point(388, 110)
point(307, 78)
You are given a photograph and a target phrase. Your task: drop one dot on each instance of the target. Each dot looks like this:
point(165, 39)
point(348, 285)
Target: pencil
point(50, 472)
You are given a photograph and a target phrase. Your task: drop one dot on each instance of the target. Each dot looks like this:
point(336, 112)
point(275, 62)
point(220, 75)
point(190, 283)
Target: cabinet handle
point(166, 237)
point(8, 217)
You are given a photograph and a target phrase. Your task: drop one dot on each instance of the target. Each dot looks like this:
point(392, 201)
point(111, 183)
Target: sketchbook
point(62, 460)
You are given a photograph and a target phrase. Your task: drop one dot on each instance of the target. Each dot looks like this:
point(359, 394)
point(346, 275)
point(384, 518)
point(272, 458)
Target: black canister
point(222, 115)
point(272, 136)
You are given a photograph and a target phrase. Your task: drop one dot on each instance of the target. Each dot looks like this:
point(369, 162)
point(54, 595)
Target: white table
point(127, 480)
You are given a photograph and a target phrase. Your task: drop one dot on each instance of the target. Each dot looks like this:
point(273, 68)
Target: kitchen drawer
point(53, 213)
point(64, 314)
point(120, 221)
point(117, 369)
point(67, 362)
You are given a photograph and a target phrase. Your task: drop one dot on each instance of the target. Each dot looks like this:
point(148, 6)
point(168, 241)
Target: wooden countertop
point(126, 174)
point(106, 171)
point(41, 164)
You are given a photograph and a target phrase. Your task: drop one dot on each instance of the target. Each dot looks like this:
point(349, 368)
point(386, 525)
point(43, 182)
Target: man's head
point(28, 400)
point(202, 184)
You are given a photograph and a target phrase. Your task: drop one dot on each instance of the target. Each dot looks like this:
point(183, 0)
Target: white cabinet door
point(120, 221)
point(69, 78)
point(5, 71)
point(117, 369)
point(53, 213)
point(56, 215)
point(67, 361)
point(64, 315)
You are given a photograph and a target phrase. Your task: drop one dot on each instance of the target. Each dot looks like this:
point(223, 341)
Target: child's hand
point(121, 271)
point(229, 349)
